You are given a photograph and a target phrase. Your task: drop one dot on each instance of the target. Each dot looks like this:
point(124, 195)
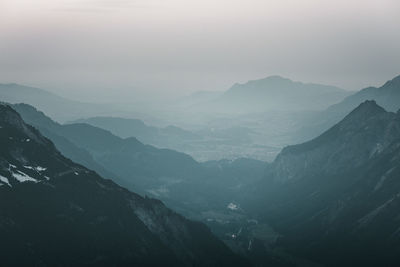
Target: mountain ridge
point(55, 211)
point(338, 192)
point(278, 93)
point(386, 96)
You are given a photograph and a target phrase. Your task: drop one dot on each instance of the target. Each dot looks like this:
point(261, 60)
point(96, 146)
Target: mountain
point(205, 192)
point(49, 128)
point(387, 96)
point(335, 199)
point(122, 127)
point(211, 142)
point(275, 93)
point(56, 212)
point(127, 158)
point(63, 109)
point(57, 107)
point(183, 183)
point(167, 137)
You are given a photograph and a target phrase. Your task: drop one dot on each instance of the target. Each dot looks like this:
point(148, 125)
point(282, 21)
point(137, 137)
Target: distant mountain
point(57, 107)
point(201, 191)
point(275, 93)
point(63, 109)
point(387, 96)
point(204, 144)
point(122, 127)
point(56, 212)
point(174, 177)
point(335, 199)
point(138, 164)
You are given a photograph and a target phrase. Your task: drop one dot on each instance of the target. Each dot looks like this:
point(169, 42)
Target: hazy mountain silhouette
point(122, 127)
point(60, 108)
point(277, 93)
point(113, 152)
point(387, 96)
point(57, 107)
point(54, 211)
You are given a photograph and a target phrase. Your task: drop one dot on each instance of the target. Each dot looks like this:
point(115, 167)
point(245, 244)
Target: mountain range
point(57, 107)
point(276, 93)
point(387, 96)
point(174, 177)
point(164, 137)
point(335, 198)
point(63, 109)
point(56, 212)
point(330, 201)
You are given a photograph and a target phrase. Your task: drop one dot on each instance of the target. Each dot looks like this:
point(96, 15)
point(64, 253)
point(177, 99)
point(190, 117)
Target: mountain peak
point(276, 78)
point(273, 80)
point(367, 108)
point(269, 80)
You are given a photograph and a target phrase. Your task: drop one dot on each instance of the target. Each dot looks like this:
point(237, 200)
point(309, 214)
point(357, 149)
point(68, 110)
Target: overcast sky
point(127, 49)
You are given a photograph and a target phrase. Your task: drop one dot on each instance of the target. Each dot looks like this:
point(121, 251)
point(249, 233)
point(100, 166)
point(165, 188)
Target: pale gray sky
point(126, 49)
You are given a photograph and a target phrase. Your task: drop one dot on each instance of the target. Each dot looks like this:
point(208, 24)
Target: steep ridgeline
point(336, 198)
point(56, 212)
point(49, 129)
point(386, 96)
point(128, 158)
point(174, 177)
point(277, 93)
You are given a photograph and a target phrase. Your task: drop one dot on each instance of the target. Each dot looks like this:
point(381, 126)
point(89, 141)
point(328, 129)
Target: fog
point(125, 51)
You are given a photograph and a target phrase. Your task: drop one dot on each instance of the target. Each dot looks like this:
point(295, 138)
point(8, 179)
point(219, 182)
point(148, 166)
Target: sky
point(125, 50)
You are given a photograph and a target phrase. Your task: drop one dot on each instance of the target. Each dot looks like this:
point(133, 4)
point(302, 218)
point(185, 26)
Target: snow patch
point(23, 177)
point(29, 167)
point(38, 168)
point(4, 180)
point(232, 206)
